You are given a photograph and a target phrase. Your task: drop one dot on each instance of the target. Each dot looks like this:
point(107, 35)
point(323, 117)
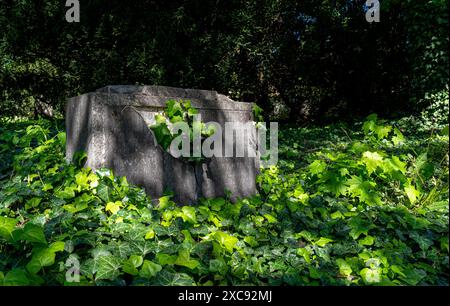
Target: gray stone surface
point(111, 126)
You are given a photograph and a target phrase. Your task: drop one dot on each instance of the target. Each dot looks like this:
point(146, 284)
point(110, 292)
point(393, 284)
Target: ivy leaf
point(173, 108)
point(412, 193)
point(217, 203)
point(160, 119)
point(300, 195)
point(82, 179)
point(251, 241)
point(270, 218)
point(421, 161)
point(225, 240)
point(344, 267)
point(192, 111)
point(176, 119)
point(103, 192)
point(122, 249)
point(16, 277)
point(130, 266)
point(317, 167)
point(423, 167)
point(166, 278)
point(398, 270)
point(305, 234)
point(188, 214)
point(141, 247)
point(66, 193)
point(393, 165)
point(398, 139)
point(166, 259)
point(184, 260)
point(323, 241)
point(149, 269)
point(333, 182)
point(337, 215)
point(382, 131)
point(164, 202)
point(313, 272)
point(150, 234)
point(30, 232)
point(57, 246)
point(359, 226)
point(136, 260)
point(257, 112)
point(363, 190)
point(370, 276)
point(372, 160)
point(113, 208)
point(304, 253)
point(7, 226)
point(107, 267)
point(42, 258)
point(73, 209)
point(413, 276)
point(423, 242)
point(370, 123)
point(218, 266)
point(33, 202)
point(162, 134)
point(368, 240)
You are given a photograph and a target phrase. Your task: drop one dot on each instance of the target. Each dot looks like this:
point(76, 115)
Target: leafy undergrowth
point(366, 204)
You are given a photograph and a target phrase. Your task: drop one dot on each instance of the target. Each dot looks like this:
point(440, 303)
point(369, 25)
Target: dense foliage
point(299, 60)
point(360, 204)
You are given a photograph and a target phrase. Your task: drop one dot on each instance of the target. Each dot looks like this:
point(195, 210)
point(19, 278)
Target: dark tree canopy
point(299, 60)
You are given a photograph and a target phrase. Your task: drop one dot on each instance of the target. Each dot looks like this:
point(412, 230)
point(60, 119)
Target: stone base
point(111, 126)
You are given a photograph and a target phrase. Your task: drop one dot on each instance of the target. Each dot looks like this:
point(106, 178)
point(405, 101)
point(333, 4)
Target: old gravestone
point(112, 126)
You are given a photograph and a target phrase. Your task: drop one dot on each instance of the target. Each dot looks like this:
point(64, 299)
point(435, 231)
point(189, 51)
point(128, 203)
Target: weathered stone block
point(111, 126)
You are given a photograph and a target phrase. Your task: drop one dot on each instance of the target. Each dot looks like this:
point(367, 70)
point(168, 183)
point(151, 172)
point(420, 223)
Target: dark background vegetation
point(301, 61)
